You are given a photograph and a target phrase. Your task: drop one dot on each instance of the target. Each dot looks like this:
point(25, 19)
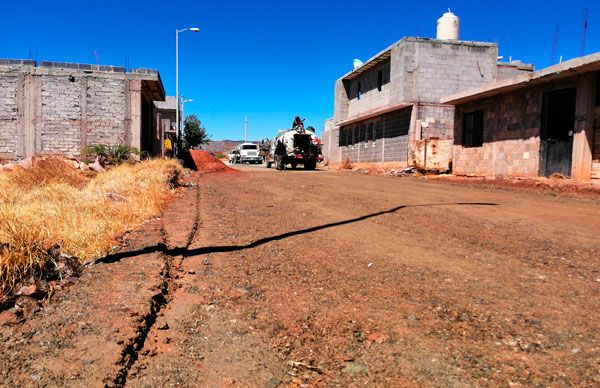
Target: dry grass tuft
point(346, 164)
point(53, 201)
point(45, 171)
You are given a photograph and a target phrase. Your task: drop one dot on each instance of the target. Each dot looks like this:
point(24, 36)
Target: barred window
point(472, 129)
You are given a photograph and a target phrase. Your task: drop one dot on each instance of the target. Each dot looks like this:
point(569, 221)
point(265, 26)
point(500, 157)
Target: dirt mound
point(206, 163)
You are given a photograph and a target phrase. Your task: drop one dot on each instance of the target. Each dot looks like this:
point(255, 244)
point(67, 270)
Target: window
point(369, 132)
point(250, 147)
point(379, 80)
point(358, 90)
point(473, 129)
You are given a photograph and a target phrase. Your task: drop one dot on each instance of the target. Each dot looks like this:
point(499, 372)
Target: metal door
point(558, 125)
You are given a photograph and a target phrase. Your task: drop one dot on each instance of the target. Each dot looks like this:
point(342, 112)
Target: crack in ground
point(130, 354)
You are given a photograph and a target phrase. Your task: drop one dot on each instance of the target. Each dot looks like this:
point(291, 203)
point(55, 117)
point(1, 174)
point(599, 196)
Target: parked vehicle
point(302, 147)
point(249, 153)
point(233, 156)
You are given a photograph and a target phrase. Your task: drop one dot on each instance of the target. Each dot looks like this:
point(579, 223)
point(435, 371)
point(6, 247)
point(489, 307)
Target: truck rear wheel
point(310, 165)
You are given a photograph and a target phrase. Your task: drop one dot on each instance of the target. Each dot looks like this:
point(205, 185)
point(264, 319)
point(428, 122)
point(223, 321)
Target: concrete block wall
point(436, 68)
point(61, 108)
point(390, 143)
point(61, 111)
point(371, 97)
point(8, 114)
point(511, 137)
point(106, 110)
point(435, 121)
point(419, 70)
point(513, 69)
point(393, 149)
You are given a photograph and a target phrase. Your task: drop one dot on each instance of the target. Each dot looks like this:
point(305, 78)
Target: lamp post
point(193, 29)
point(183, 101)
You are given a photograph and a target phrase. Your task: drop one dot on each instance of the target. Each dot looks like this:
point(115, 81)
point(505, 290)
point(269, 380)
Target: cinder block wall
point(511, 137)
point(432, 69)
point(9, 119)
point(371, 97)
point(61, 108)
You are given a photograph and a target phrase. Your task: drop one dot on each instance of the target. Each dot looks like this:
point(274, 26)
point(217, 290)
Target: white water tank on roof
point(448, 26)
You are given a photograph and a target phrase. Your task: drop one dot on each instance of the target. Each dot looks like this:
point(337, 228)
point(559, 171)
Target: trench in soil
point(130, 353)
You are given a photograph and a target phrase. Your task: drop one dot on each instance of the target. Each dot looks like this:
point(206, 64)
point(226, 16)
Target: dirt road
point(270, 278)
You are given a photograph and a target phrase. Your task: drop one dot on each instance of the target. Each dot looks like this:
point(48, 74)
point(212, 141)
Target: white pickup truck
point(249, 153)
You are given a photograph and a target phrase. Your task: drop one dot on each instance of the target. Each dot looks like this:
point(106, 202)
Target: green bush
point(114, 155)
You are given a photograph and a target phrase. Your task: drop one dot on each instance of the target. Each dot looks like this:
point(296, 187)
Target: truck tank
point(302, 146)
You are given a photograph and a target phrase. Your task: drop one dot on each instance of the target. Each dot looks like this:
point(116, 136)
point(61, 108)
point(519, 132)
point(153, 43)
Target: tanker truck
point(299, 145)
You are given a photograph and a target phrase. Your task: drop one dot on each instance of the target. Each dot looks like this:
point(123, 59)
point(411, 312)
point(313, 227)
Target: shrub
point(346, 164)
point(114, 155)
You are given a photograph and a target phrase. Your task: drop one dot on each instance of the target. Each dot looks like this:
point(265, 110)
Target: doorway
point(558, 126)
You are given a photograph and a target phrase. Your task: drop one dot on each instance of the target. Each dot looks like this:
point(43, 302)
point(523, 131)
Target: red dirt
point(331, 279)
point(206, 163)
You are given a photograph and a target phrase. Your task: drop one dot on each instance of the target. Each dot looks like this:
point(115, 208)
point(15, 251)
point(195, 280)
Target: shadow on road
point(234, 248)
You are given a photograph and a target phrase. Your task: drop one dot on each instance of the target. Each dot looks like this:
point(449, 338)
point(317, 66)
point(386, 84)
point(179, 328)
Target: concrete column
point(20, 146)
point(37, 107)
point(581, 167)
point(83, 121)
point(135, 113)
point(26, 107)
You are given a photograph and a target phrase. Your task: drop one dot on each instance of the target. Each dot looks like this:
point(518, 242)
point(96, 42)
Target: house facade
point(54, 107)
point(388, 110)
point(537, 124)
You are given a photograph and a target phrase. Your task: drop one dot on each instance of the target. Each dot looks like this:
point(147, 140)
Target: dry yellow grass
point(84, 215)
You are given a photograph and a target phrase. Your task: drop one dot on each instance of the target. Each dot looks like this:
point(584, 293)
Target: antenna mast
point(555, 44)
point(246, 129)
point(584, 32)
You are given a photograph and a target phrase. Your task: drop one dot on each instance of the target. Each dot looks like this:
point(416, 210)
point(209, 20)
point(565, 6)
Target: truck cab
point(249, 153)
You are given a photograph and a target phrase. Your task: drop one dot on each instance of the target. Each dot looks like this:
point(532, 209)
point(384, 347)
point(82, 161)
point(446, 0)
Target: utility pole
point(584, 32)
point(555, 44)
point(246, 130)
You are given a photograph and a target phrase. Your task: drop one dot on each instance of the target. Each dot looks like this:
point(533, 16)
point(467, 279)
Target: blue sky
point(273, 60)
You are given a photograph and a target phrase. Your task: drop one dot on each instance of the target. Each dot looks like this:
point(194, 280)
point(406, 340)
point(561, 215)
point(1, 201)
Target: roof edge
point(521, 80)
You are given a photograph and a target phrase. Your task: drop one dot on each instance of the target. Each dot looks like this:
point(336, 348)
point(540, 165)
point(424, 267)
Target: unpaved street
point(268, 278)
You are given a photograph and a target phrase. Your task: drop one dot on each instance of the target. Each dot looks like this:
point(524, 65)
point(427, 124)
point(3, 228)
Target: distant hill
point(223, 146)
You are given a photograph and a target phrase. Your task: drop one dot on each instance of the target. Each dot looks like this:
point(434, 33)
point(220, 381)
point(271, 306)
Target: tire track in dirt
point(172, 261)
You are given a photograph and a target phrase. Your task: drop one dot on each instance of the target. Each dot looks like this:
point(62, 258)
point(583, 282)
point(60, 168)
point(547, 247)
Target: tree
point(194, 134)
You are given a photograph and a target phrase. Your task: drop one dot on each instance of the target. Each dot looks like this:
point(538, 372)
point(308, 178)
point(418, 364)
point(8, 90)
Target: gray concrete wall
point(435, 68)
point(61, 108)
point(388, 141)
point(9, 118)
point(509, 70)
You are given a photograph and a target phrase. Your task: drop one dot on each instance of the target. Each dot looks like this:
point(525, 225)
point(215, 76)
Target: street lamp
point(183, 101)
point(193, 29)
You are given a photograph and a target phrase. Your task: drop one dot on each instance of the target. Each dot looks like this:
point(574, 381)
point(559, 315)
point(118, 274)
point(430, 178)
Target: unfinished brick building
point(54, 107)
point(536, 124)
point(388, 110)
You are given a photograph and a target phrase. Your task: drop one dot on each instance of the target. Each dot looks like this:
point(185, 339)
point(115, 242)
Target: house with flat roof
point(388, 109)
point(60, 108)
point(534, 124)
